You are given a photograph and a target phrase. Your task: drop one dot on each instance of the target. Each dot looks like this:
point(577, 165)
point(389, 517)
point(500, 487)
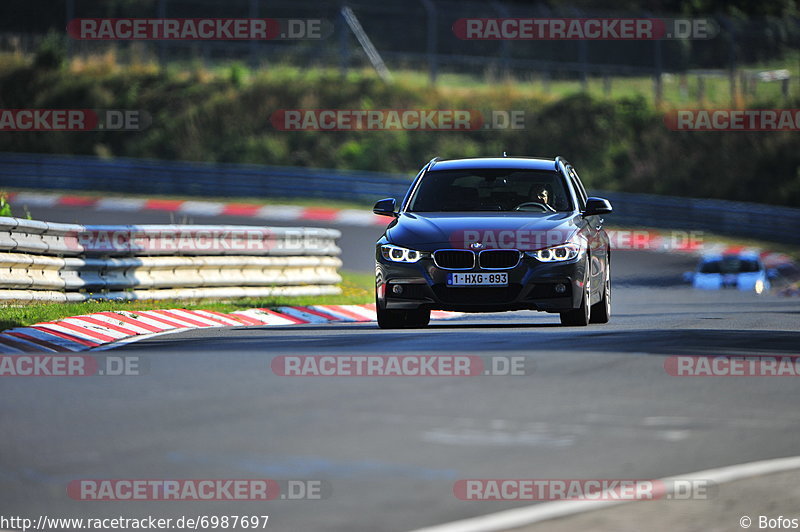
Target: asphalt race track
point(597, 403)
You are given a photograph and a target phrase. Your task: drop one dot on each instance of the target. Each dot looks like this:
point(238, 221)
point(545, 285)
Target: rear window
point(490, 190)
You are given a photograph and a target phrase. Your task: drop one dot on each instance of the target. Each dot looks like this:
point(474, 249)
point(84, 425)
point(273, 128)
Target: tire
point(402, 319)
point(601, 311)
point(581, 316)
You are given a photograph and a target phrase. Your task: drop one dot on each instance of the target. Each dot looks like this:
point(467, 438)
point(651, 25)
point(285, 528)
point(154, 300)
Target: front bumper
point(531, 286)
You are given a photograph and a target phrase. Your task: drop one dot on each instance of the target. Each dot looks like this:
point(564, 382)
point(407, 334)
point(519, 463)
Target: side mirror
point(385, 207)
point(595, 206)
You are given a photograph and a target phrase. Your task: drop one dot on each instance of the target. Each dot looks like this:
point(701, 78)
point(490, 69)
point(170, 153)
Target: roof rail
point(560, 159)
point(432, 161)
point(505, 155)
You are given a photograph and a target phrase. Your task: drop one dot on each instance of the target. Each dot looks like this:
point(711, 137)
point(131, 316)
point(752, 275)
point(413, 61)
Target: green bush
point(616, 144)
point(5, 208)
point(51, 53)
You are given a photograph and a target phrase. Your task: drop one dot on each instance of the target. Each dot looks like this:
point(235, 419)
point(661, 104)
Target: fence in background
point(145, 177)
point(68, 262)
point(419, 35)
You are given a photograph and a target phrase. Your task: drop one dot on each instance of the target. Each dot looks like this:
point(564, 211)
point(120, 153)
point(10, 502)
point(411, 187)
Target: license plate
point(477, 279)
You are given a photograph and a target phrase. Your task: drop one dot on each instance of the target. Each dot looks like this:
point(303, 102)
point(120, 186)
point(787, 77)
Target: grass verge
point(357, 288)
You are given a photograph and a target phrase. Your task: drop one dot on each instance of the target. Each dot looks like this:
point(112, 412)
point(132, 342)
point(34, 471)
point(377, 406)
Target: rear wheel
point(580, 316)
point(601, 311)
point(402, 319)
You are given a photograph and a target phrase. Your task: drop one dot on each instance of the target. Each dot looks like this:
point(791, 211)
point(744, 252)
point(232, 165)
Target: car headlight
point(398, 254)
point(561, 253)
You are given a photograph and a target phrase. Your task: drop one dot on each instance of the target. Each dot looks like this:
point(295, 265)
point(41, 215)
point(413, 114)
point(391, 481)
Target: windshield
point(730, 265)
point(491, 190)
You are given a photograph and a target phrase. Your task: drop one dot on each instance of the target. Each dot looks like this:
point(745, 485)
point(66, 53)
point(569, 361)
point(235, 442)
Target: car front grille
point(454, 259)
point(490, 259)
point(498, 259)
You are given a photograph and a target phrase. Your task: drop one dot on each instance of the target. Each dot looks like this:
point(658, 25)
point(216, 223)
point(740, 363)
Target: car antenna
point(504, 154)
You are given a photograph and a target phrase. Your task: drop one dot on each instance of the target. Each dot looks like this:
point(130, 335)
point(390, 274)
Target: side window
point(578, 186)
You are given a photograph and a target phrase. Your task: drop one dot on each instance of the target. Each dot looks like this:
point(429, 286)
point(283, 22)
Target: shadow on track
point(449, 338)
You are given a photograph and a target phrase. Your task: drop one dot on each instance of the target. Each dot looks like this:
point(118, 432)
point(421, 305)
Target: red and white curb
point(202, 208)
point(105, 329)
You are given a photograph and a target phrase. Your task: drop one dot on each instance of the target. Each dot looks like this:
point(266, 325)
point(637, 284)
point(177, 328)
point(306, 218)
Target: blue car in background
point(741, 271)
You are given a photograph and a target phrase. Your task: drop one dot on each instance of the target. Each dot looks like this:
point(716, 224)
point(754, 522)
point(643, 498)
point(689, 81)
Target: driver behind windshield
point(541, 194)
point(490, 190)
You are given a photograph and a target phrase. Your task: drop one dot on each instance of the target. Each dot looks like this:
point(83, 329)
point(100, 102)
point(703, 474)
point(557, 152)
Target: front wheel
point(580, 316)
point(601, 311)
point(402, 319)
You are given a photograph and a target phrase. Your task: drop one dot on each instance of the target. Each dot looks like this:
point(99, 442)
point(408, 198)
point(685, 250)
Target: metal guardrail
point(142, 177)
point(753, 220)
point(34, 236)
point(68, 262)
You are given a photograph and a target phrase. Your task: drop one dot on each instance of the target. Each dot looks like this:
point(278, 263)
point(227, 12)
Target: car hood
point(426, 231)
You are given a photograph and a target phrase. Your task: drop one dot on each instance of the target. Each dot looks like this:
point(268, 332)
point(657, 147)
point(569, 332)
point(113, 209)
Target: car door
point(597, 237)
